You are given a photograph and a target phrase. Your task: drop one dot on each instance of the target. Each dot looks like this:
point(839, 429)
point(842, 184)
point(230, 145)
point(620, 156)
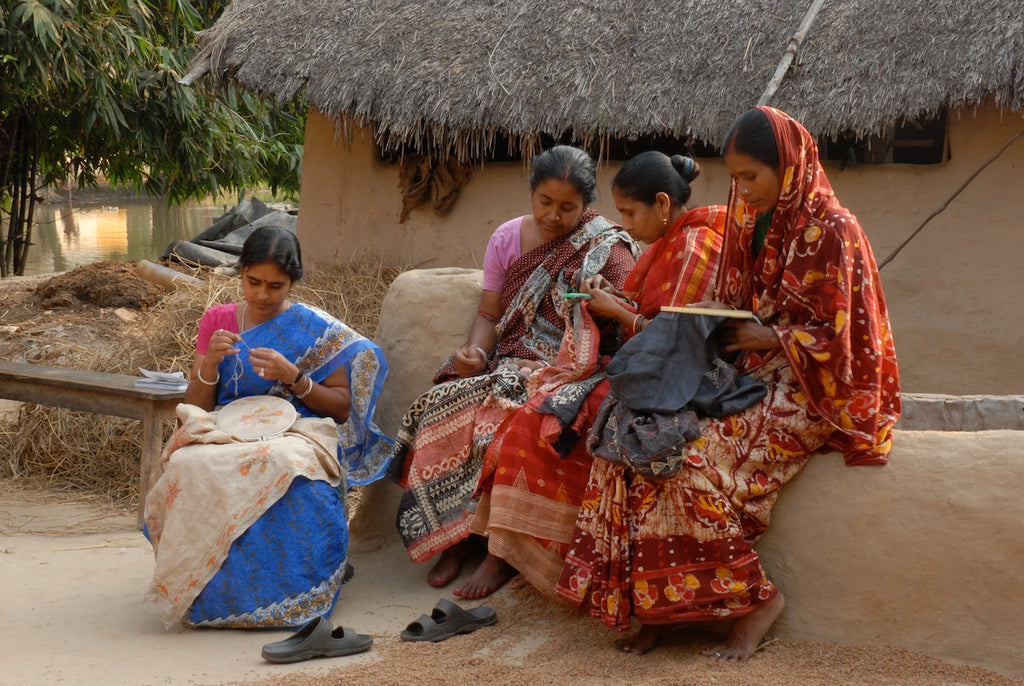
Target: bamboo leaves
point(90, 91)
point(44, 23)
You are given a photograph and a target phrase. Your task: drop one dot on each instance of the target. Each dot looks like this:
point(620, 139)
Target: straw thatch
point(454, 74)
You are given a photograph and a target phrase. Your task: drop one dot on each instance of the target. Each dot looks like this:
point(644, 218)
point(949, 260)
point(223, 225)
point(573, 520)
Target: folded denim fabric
point(673, 363)
point(662, 380)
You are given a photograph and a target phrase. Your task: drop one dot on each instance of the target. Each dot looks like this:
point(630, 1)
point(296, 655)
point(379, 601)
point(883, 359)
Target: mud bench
point(99, 392)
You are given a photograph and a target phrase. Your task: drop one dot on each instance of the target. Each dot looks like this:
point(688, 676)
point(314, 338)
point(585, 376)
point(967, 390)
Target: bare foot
point(746, 633)
point(643, 640)
point(448, 565)
point(492, 574)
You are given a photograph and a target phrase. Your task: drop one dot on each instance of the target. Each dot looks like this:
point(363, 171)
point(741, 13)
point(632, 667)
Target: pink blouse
point(217, 317)
point(503, 248)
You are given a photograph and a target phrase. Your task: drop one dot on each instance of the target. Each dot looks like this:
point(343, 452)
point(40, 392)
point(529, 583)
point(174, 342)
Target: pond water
point(96, 228)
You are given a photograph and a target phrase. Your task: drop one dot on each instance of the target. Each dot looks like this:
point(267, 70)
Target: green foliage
point(97, 81)
point(89, 89)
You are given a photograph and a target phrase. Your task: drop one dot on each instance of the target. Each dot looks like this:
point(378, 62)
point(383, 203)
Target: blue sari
point(318, 344)
point(288, 565)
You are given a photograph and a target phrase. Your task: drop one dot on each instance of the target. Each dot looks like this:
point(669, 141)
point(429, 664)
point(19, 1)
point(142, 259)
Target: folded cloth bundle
point(662, 380)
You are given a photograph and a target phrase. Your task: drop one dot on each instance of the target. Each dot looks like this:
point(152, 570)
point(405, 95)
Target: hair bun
point(687, 167)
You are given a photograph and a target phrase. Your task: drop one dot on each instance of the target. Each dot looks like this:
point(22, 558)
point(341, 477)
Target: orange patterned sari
point(540, 474)
point(815, 281)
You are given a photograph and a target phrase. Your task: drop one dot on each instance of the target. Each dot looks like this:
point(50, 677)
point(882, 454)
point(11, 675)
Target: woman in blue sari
point(254, 533)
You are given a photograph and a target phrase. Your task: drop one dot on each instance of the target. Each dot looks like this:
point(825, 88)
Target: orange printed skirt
point(531, 509)
point(681, 550)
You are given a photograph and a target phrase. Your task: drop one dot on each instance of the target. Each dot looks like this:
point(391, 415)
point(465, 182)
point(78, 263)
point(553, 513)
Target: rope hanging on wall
point(423, 178)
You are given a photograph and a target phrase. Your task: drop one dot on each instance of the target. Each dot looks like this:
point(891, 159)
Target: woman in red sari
point(681, 550)
point(542, 464)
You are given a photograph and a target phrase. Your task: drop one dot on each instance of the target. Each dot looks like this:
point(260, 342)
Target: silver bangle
point(199, 375)
point(483, 352)
point(300, 396)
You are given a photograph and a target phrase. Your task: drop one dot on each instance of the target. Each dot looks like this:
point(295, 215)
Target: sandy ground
point(75, 569)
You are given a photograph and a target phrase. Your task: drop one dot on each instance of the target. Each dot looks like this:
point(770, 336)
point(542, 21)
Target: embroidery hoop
point(257, 417)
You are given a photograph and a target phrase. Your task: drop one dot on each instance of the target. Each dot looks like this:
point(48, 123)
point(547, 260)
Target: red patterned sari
point(539, 480)
point(682, 549)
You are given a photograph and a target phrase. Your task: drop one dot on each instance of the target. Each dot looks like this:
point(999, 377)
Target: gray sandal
point(447, 620)
point(317, 639)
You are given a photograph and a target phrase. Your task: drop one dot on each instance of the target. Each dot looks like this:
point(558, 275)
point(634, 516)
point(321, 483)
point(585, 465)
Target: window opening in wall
point(624, 148)
point(912, 141)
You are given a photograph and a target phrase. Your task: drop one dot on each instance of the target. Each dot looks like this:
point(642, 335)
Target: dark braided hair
point(273, 244)
point(649, 173)
point(566, 163)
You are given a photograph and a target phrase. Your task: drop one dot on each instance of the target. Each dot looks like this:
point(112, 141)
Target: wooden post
point(791, 50)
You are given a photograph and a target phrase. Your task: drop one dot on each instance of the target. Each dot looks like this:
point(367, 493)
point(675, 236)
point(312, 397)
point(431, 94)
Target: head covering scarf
point(681, 267)
point(816, 282)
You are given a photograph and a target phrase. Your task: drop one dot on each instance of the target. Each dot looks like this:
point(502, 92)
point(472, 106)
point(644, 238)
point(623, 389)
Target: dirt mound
point(102, 284)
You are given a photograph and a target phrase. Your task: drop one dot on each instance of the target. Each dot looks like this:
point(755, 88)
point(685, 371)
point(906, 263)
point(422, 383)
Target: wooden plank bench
point(99, 392)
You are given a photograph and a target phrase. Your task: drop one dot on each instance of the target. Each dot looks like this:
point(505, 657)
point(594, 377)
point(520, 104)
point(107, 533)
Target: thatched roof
point(460, 71)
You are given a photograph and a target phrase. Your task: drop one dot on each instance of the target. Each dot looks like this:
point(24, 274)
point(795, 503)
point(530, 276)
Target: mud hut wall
point(352, 201)
point(946, 290)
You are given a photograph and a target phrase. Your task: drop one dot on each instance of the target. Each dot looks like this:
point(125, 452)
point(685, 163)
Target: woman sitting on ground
point(530, 263)
point(542, 460)
point(681, 549)
point(253, 533)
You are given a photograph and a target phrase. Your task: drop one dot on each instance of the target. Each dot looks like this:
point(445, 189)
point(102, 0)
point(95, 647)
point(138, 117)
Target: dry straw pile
point(98, 454)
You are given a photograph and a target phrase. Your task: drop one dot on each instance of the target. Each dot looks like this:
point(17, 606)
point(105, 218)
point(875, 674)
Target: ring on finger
point(260, 372)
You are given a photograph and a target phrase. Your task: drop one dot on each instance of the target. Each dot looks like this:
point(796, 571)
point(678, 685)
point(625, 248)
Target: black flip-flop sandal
point(448, 619)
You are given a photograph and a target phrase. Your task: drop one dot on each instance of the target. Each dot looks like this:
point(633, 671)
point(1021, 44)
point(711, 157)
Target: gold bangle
point(300, 396)
point(635, 320)
point(199, 375)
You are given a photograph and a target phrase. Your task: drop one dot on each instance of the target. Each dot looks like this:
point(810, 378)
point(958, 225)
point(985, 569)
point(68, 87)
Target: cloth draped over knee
point(666, 550)
point(661, 382)
point(231, 484)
